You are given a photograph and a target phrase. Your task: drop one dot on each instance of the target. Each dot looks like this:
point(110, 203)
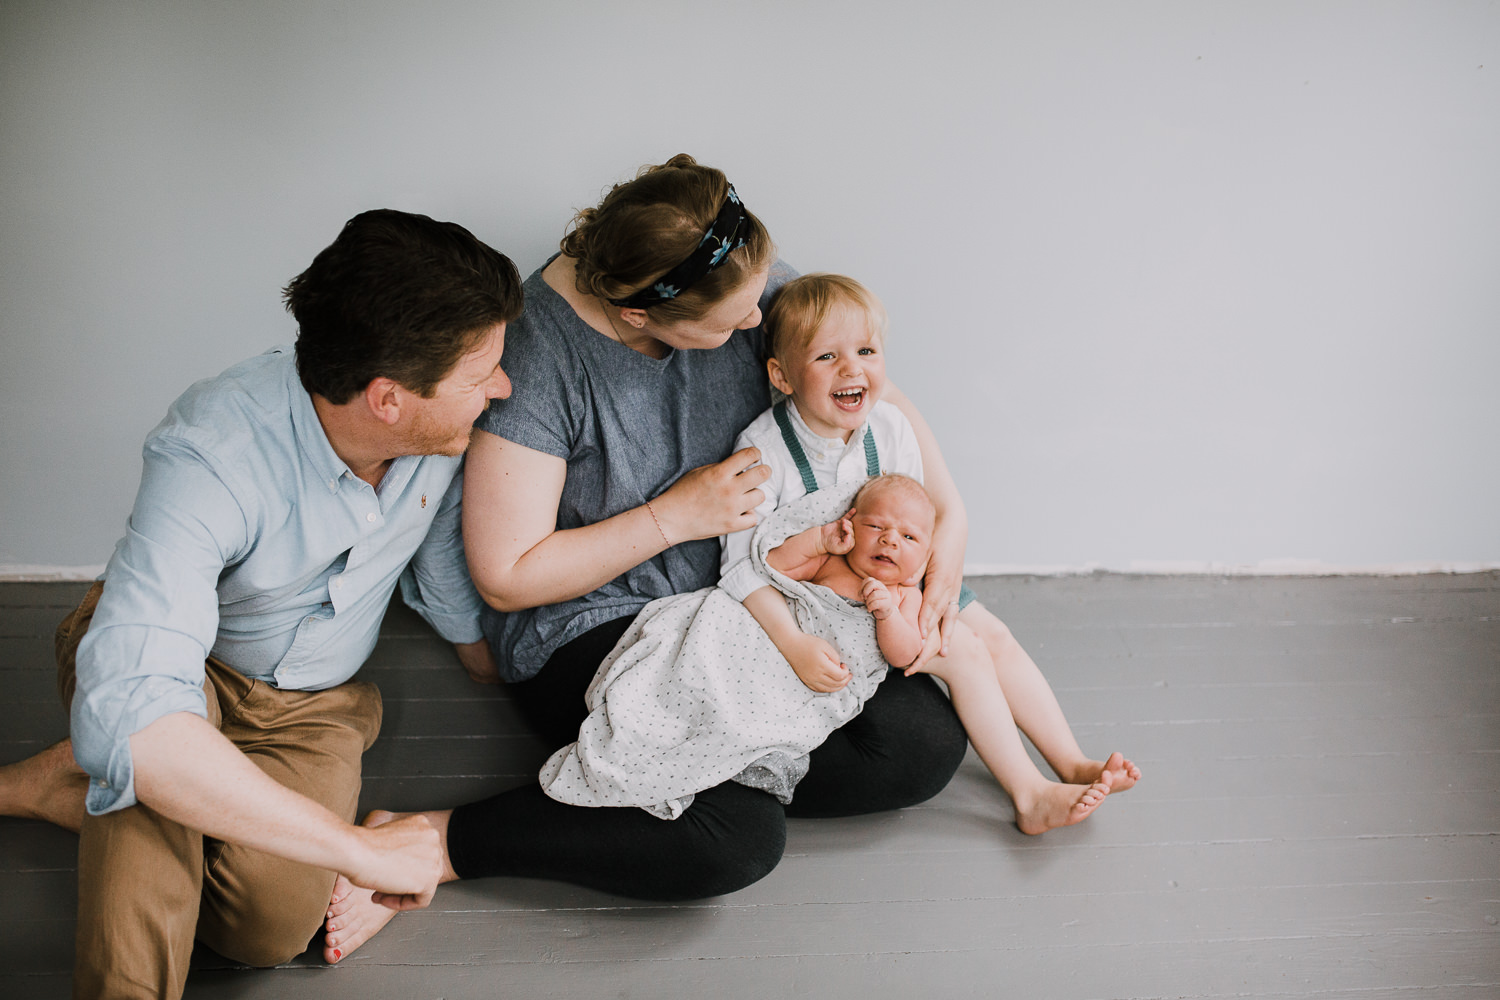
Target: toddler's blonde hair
point(802, 304)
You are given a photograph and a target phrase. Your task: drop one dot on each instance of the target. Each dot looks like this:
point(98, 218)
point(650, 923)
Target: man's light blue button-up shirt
point(252, 541)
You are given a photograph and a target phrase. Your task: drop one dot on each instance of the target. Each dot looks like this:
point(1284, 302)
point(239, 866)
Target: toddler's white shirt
point(832, 461)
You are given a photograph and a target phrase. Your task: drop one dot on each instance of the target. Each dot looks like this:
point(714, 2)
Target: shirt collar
point(828, 445)
point(311, 438)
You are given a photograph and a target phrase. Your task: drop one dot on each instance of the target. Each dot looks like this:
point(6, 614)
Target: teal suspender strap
point(809, 481)
point(872, 460)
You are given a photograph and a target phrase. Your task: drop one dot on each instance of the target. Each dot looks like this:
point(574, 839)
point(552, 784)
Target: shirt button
point(102, 783)
point(370, 517)
point(337, 584)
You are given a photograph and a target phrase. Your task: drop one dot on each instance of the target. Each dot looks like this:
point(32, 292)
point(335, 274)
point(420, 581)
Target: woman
point(600, 485)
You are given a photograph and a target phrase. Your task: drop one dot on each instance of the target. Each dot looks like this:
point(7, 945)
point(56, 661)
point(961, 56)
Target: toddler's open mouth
point(849, 399)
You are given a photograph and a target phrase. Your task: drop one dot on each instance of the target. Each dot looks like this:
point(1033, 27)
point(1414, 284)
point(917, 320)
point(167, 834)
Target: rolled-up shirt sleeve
point(143, 656)
point(436, 584)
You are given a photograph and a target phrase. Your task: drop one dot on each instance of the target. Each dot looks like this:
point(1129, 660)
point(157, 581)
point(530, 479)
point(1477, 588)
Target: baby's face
point(835, 379)
point(892, 537)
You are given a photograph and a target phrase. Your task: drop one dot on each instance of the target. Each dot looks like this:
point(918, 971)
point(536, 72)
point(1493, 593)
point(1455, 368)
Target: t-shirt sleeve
point(543, 409)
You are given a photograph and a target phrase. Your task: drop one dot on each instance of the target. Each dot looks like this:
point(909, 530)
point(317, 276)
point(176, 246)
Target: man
point(280, 504)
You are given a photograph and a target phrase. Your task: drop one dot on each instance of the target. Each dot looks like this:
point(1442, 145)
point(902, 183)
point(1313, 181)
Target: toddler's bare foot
point(1060, 805)
point(353, 917)
point(47, 786)
point(1123, 773)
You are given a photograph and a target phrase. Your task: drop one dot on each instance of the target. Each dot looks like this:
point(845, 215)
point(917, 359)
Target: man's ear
point(383, 398)
point(778, 377)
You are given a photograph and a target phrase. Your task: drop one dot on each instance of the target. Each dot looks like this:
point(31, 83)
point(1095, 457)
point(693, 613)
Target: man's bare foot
point(1123, 773)
point(47, 786)
point(1060, 805)
point(353, 915)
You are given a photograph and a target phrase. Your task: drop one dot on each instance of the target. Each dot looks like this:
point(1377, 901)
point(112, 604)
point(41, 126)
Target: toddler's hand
point(817, 664)
point(877, 598)
point(838, 536)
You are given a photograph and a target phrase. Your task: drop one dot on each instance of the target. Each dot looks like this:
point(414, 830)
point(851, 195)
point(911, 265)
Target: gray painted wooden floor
point(1319, 817)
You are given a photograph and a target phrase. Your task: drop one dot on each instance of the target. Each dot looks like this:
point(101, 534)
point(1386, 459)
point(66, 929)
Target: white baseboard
point(1266, 567)
point(26, 573)
point(16, 573)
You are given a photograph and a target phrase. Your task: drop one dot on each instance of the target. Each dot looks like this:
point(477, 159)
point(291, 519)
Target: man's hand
point(478, 662)
point(816, 662)
point(402, 861)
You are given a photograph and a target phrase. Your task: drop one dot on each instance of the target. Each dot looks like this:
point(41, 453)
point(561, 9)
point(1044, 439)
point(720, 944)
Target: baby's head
point(828, 351)
point(893, 522)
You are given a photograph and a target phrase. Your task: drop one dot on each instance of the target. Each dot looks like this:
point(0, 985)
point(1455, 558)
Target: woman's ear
point(778, 377)
point(635, 317)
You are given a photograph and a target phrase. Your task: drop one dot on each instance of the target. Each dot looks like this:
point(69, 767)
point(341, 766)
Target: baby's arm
point(896, 628)
point(816, 663)
point(801, 556)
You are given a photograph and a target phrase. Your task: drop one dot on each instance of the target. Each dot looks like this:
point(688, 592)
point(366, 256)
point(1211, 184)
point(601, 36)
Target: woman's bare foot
point(353, 915)
point(1058, 805)
point(1123, 773)
point(47, 786)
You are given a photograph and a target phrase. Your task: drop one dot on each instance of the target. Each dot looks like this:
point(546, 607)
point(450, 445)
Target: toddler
point(827, 355)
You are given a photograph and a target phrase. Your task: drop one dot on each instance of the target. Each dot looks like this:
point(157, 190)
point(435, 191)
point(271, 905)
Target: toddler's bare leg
point(1035, 709)
point(1041, 805)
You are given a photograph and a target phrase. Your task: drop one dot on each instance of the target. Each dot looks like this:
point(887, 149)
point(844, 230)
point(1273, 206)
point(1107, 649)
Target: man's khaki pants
point(148, 886)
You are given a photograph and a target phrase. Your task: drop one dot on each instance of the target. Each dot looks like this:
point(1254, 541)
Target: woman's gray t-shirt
point(628, 426)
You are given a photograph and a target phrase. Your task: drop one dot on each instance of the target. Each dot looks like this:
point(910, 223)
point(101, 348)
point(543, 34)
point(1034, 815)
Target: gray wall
point(1177, 283)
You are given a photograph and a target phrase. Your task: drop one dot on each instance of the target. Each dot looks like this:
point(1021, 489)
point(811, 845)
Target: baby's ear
point(916, 578)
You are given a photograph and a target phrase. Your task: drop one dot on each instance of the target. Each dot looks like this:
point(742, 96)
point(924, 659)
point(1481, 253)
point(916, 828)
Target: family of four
point(723, 612)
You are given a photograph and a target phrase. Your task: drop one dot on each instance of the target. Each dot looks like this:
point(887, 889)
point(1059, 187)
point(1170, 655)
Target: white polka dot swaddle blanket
point(695, 693)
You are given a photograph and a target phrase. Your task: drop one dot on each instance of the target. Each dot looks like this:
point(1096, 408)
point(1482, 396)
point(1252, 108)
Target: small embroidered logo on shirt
point(424, 501)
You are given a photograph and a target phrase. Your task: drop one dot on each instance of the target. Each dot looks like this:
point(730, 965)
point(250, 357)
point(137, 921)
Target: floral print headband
point(728, 233)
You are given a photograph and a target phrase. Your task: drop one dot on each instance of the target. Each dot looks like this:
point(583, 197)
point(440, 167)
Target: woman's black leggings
point(900, 750)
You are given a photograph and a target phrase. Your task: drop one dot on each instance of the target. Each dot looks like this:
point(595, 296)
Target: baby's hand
point(878, 599)
point(838, 536)
point(817, 664)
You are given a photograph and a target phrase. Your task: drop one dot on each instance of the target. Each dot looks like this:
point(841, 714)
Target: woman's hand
point(713, 500)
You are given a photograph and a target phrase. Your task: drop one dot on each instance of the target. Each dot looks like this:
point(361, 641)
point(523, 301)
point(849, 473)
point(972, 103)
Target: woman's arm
point(945, 570)
point(519, 559)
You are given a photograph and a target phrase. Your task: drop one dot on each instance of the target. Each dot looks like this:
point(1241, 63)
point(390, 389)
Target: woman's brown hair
point(645, 227)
